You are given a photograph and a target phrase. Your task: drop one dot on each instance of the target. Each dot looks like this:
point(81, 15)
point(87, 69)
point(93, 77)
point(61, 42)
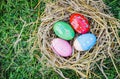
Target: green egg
point(63, 30)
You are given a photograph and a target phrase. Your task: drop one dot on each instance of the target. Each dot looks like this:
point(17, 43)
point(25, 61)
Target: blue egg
point(85, 42)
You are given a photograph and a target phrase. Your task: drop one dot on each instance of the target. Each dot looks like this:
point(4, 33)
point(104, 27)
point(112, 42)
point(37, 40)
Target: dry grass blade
point(102, 24)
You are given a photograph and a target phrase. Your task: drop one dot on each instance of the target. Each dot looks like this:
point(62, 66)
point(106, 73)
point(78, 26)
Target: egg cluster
point(66, 32)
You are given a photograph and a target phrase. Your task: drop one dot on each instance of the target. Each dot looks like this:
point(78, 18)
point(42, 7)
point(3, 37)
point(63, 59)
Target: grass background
point(19, 22)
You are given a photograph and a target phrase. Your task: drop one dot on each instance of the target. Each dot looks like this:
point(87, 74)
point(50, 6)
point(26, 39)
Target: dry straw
point(102, 25)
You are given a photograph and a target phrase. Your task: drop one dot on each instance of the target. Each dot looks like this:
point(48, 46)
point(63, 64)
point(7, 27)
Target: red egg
point(79, 23)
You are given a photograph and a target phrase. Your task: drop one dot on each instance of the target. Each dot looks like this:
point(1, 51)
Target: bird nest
point(102, 24)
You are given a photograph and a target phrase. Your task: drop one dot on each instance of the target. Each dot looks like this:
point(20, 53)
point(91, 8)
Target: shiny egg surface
point(63, 30)
point(84, 42)
point(79, 23)
point(61, 47)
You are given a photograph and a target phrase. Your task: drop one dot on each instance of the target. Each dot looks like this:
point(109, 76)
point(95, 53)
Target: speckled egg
point(63, 30)
point(61, 47)
point(79, 23)
point(84, 42)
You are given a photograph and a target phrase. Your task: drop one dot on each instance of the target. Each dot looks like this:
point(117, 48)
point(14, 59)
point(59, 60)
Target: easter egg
point(79, 23)
point(84, 42)
point(63, 30)
point(61, 47)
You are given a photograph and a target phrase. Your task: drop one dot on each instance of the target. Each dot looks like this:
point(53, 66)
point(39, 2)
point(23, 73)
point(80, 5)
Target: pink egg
point(61, 47)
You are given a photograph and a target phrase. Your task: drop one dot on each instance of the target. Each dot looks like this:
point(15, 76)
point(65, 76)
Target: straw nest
point(102, 25)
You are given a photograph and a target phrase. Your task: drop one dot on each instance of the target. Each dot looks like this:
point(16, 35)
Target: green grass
point(109, 70)
point(17, 38)
point(17, 42)
point(114, 7)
